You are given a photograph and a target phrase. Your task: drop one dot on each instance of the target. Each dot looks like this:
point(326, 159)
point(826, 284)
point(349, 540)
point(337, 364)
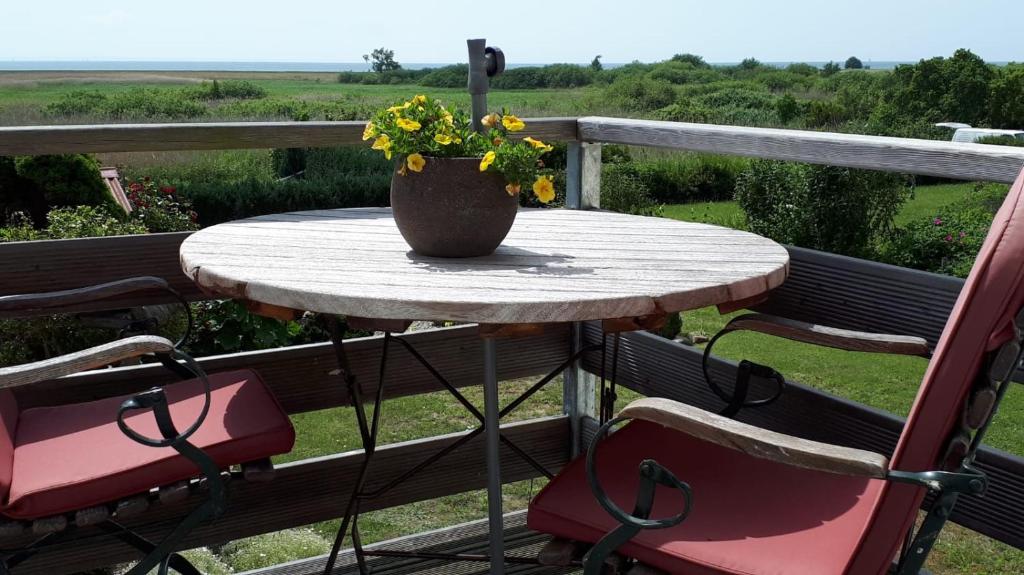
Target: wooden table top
point(554, 266)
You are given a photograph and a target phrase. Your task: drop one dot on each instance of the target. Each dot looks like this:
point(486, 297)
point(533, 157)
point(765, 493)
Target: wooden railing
point(823, 287)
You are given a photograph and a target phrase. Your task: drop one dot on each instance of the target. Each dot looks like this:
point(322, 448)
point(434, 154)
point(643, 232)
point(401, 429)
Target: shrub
point(525, 78)
point(677, 72)
point(1006, 98)
point(159, 208)
point(454, 76)
point(219, 90)
point(690, 177)
point(567, 76)
point(787, 108)
point(947, 242)
point(1001, 141)
point(89, 222)
point(623, 191)
point(824, 114)
point(834, 209)
point(640, 94)
point(217, 202)
point(66, 180)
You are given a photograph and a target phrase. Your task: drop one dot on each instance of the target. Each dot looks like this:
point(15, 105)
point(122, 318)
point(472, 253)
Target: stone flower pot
point(451, 209)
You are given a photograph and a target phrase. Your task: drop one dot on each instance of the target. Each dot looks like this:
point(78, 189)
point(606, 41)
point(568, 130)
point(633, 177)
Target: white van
point(975, 134)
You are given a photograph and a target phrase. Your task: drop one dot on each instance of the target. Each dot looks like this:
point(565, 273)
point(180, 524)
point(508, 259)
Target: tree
point(692, 59)
point(943, 89)
point(382, 60)
point(829, 69)
point(595, 64)
point(750, 64)
point(1006, 98)
point(853, 63)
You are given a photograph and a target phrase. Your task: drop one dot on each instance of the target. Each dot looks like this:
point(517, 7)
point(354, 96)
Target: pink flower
point(937, 221)
point(949, 238)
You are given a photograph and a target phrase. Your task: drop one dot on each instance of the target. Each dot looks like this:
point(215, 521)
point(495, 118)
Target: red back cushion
point(981, 321)
point(8, 428)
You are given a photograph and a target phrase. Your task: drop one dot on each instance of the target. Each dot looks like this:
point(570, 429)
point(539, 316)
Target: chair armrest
point(14, 305)
point(94, 357)
point(829, 336)
point(756, 441)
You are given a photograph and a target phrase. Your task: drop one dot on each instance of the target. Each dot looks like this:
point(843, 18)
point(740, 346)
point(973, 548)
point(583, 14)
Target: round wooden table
point(554, 266)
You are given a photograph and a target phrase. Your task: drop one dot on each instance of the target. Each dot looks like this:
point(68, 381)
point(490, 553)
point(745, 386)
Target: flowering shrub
point(159, 208)
point(422, 128)
point(947, 242)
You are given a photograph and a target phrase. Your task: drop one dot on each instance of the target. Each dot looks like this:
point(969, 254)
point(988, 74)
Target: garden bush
point(828, 208)
point(217, 202)
point(689, 178)
point(947, 242)
point(63, 180)
point(219, 90)
point(623, 191)
point(1001, 141)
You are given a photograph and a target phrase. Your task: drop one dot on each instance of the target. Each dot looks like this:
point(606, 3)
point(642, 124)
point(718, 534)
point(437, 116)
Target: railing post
point(582, 192)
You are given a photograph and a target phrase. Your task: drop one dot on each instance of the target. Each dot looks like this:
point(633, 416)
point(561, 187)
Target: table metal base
point(489, 425)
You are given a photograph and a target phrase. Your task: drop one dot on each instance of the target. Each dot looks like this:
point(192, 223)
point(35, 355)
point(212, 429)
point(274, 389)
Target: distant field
point(24, 95)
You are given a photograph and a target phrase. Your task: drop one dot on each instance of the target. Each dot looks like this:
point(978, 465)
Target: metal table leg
point(492, 437)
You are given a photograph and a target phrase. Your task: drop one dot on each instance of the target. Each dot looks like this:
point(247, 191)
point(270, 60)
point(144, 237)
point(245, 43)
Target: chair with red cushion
point(756, 502)
point(98, 462)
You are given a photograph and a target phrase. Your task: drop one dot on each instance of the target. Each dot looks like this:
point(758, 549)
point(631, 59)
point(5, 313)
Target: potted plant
point(455, 191)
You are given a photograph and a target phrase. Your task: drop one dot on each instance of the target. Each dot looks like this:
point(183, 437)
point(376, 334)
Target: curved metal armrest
point(829, 336)
point(92, 358)
point(756, 441)
point(14, 305)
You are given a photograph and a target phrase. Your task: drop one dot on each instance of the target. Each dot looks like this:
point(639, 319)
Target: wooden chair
point(66, 467)
point(734, 498)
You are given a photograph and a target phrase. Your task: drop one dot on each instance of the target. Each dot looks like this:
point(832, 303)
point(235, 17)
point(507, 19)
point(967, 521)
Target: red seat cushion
point(74, 456)
point(750, 516)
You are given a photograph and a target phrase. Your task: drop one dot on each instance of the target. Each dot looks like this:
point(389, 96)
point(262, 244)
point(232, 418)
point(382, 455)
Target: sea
point(213, 66)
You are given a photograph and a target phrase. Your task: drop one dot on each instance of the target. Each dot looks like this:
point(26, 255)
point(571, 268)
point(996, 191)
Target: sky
point(528, 31)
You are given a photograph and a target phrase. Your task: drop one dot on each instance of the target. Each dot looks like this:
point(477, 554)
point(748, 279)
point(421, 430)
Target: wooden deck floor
point(466, 538)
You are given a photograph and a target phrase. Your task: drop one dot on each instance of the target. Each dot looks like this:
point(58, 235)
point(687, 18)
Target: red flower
point(135, 187)
point(168, 190)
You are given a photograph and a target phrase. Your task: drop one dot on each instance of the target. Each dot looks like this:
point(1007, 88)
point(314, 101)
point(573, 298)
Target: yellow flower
point(544, 189)
point(369, 131)
point(396, 110)
point(415, 162)
point(408, 125)
point(487, 160)
point(448, 118)
point(513, 189)
point(419, 100)
point(490, 120)
point(538, 144)
point(383, 143)
point(512, 123)
point(443, 139)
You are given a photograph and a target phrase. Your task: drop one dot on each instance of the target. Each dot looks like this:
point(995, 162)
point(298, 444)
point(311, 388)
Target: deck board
point(465, 538)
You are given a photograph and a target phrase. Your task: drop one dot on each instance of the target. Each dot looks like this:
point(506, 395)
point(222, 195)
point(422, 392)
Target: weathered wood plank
point(316, 490)
point(756, 441)
point(52, 265)
point(303, 377)
point(554, 266)
point(35, 140)
point(79, 361)
point(467, 538)
point(829, 336)
point(927, 157)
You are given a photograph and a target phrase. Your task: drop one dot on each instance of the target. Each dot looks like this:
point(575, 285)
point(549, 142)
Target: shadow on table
point(506, 258)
